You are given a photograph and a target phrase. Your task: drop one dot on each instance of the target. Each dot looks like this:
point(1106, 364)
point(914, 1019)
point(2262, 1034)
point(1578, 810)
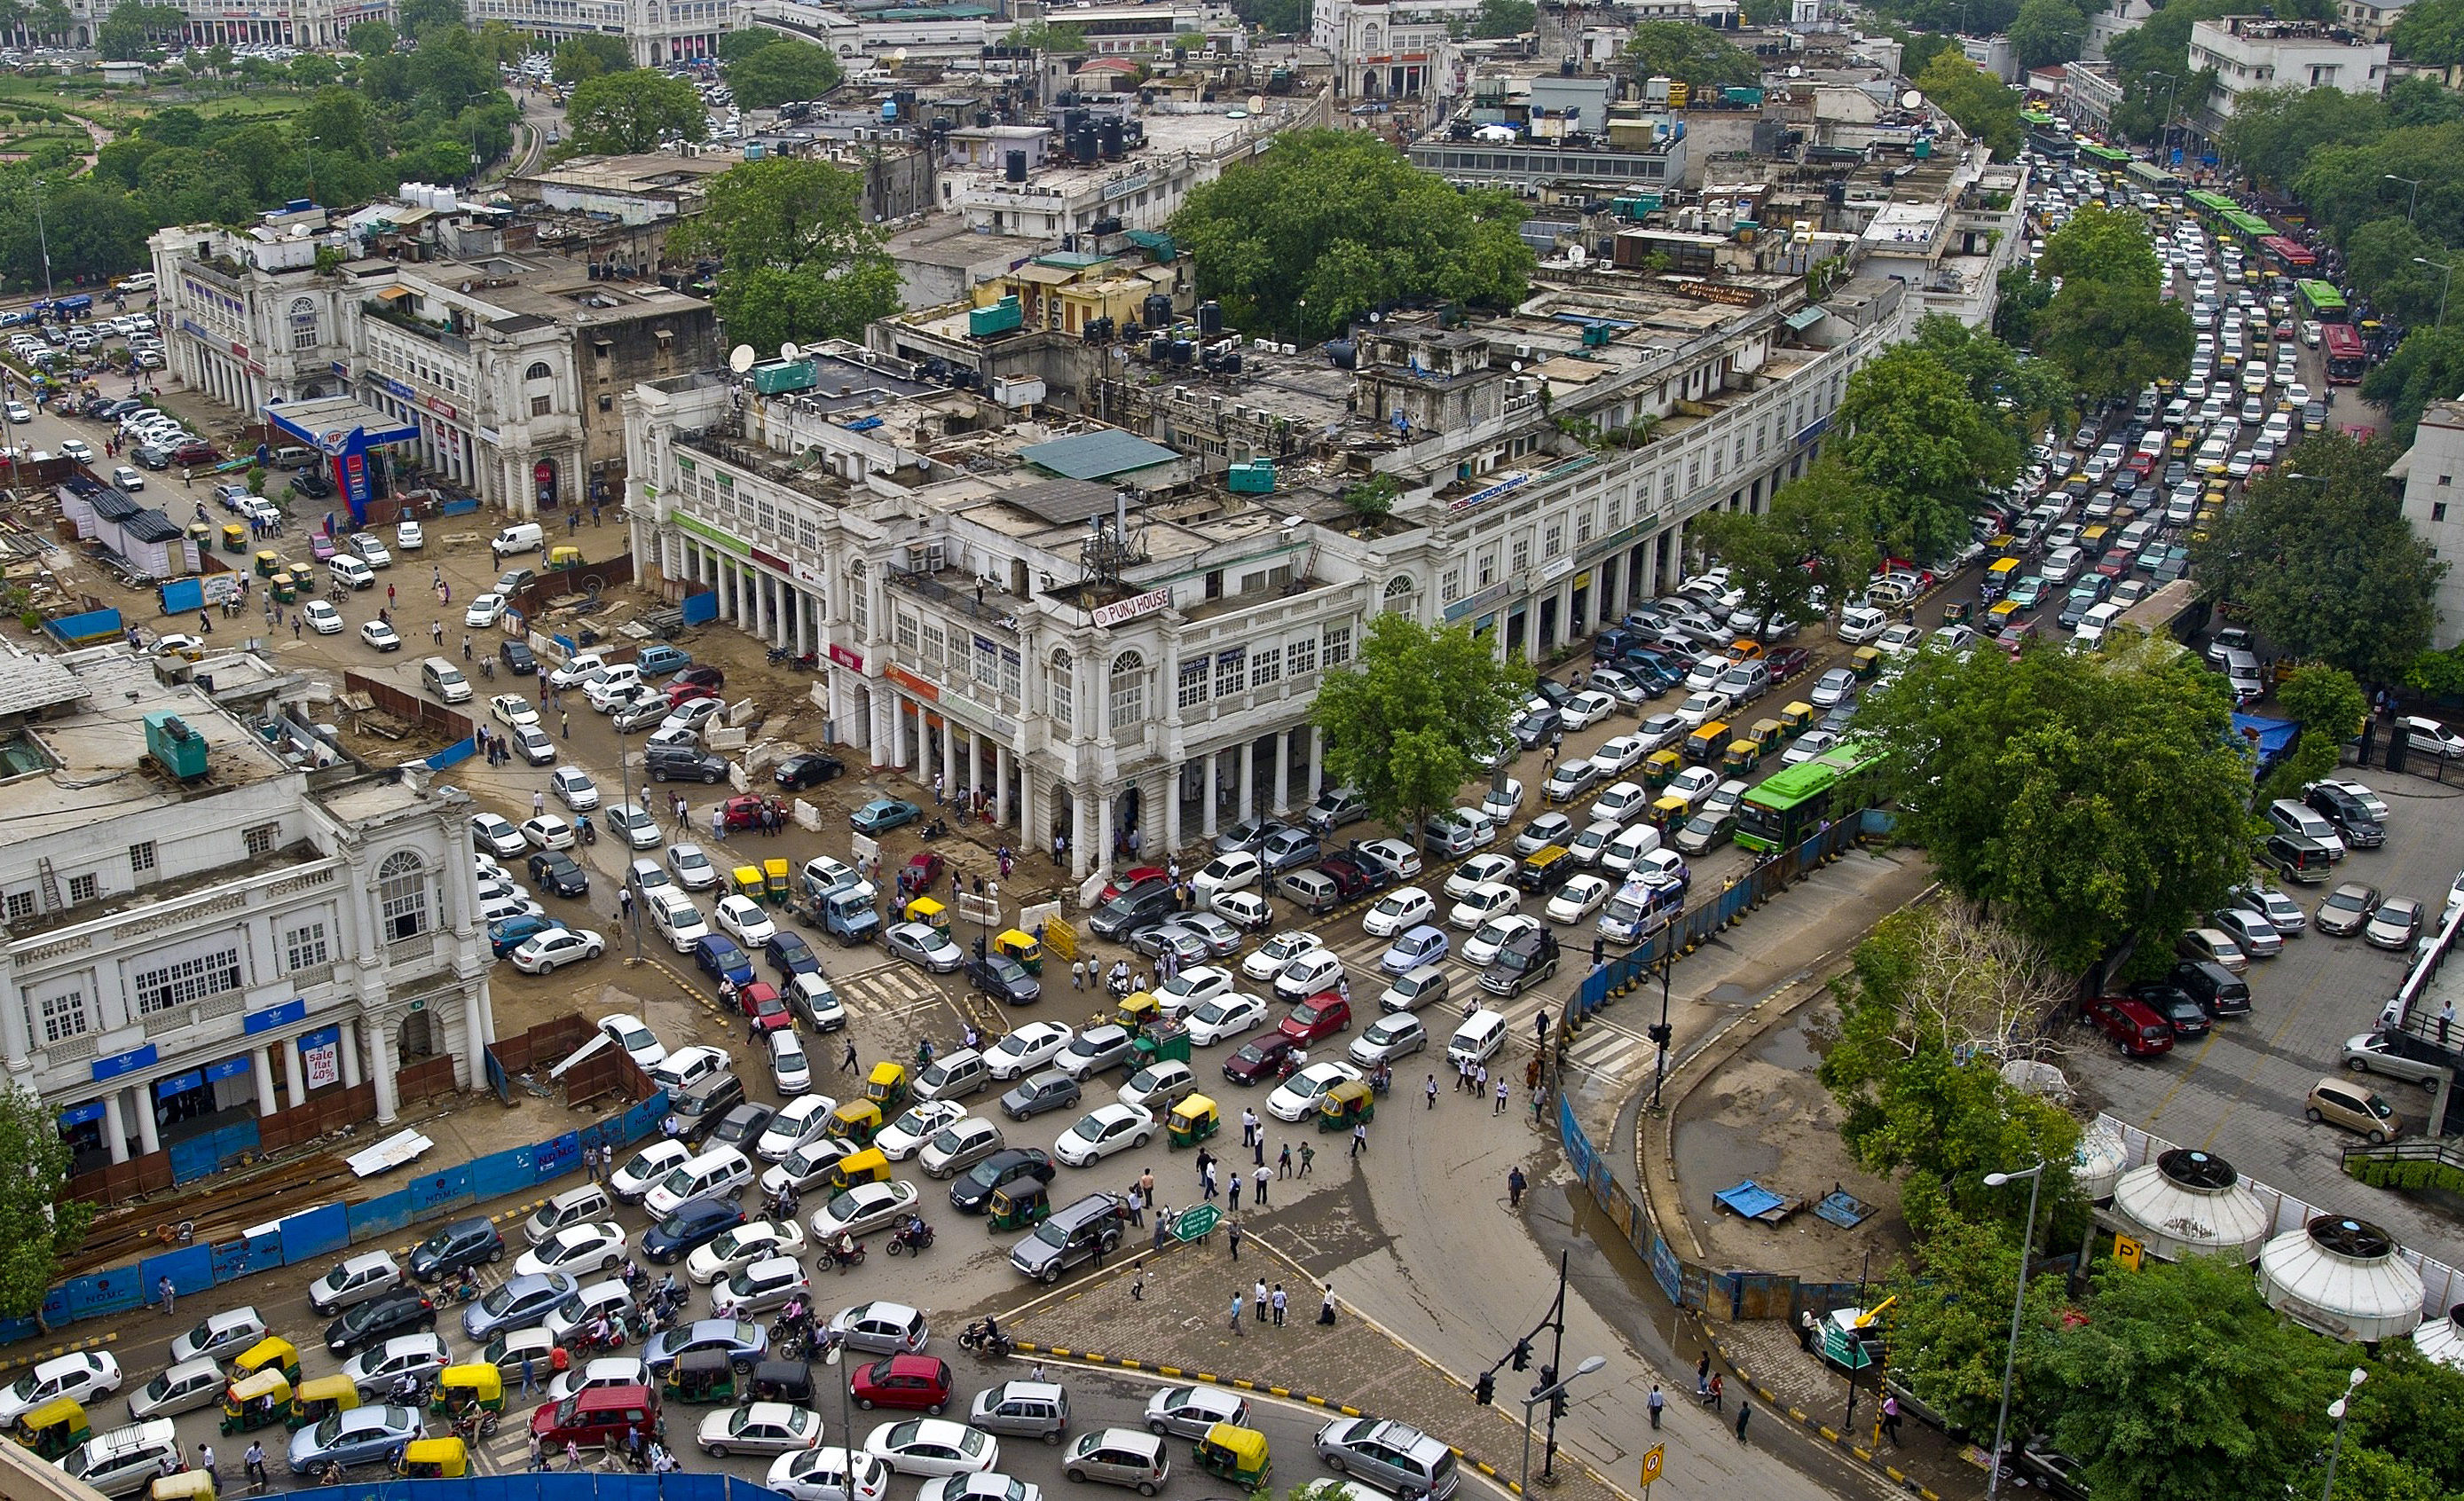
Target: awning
point(1804, 318)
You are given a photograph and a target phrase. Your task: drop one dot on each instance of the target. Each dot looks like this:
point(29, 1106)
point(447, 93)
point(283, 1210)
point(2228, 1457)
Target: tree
point(1327, 224)
point(2428, 367)
point(2411, 1411)
point(2421, 100)
point(1502, 18)
point(131, 32)
point(39, 1223)
point(419, 17)
point(371, 39)
point(784, 70)
point(1373, 498)
point(1984, 106)
point(2384, 260)
point(1951, 1325)
point(1046, 38)
point(2113, 339)
point(2100, 243)
point(1410, 721)
point(588, 55)
point(2429, 31)
point(2092, 800)
point(2047, 32)
point(502, 45)
point(629, 112)
point(2273, 131)
point(1685, 52)
point(2022, 296)
point(313, 70)
point(797, 260)
point(2328, 572)
point(2329, 707)
point(1276, 17)
point(1818, 534)
point(1913, 435)
point(2025, 395)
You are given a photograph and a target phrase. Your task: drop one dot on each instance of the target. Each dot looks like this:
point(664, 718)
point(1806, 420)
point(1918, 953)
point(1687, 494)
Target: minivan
point(2298, 858)
point(346, 572)
point(526, 536)
point(445, 679)
point(699, 1109)
point(574, 1207)
point(1476, 1040)
point(1311, 891)
point(953, 1075)
point(1335, 809)
point(720, 1172)
point(2217, 989)
point(1023, 1409)
point(125, 1460)
point(2287, 817)
point(2354, 1107)
point(1070, 1235)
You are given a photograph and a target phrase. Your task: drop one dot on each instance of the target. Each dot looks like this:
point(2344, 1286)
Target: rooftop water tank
point(2191, 1204)
point(2342, 1277)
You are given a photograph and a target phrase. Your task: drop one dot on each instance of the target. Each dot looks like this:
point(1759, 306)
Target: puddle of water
point(1787, 1048)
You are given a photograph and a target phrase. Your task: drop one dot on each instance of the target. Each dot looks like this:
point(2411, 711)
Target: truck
point(1638, 908)
point(842, 899)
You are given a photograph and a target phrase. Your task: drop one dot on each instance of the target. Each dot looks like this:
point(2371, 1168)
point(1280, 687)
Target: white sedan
point(381, 636)
point(1481, 870)
point(760, 1427)
point(1619, 753)
point(409, 538)
point(1482, 947)
point(757, 1240)
point(632, 1035)
point(1578, 899)
point(607, 695)
point(797, 1122)
point(1270, 956)
point(1586, 708)
point(924, 946)
point(544, 953)
point(1029, 1047)
point(75, 449)
point(1482, 902)
point(743, 918)
point(575, 1249)
point(868, 1205)
point(83, 1376)
point(579, 669)
point(920, 1123)
point(1103, 1131)
point(1398, 911)
point(548, 831)
point(574, 788)
point(484, 611)
point(1192, 987)
point(820, 1474)
point(511, 709)
point(1296, 1097)
point(1224, 1018)
point(323, 619)
point(932, 1446)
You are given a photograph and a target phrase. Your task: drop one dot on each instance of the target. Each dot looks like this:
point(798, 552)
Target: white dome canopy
point(2096, 1166)
point(2442, 1339)
point(2191, 1204)
point(2342, 1277)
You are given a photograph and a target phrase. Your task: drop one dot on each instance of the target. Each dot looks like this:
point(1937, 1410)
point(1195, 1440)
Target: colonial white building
point(658, 32)
point(2250, 51)
point(1392, 49)
point(213, 914)
point(323, 25)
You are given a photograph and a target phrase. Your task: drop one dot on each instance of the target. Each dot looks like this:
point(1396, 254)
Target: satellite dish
point(1517, 366)
point(1796, 71)
point(789, 350)
point(898, 58)
point(741, 359)
point(1257, 104)
point(1911, 99)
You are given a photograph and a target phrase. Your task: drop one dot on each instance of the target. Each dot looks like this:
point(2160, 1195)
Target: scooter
point(588, 831)
point(934, 829)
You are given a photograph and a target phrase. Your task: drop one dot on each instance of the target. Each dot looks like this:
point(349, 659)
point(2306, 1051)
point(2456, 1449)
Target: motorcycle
point(473, 1426)
point(780, 654)
point(833, 1257)
point(984, 1336)
point(465, 1291)
point(917, 1238)
point(588, 831)
point(939, 828)
point(809, 661)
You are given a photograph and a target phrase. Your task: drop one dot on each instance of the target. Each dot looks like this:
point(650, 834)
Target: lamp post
point(836, 1360)
point(1547, 1393)
point(2035, 1176)
point(2336, 1410)
point(2164, 126)
point(2413, 182)
point(43, 239)
point(2446, 270)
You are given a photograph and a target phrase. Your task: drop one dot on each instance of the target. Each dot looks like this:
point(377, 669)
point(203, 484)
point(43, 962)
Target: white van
point(346, 572)
point(525, 536)
point(2093, 625)
point(721, 1170)
point(1476, 1040)
point(445, 679)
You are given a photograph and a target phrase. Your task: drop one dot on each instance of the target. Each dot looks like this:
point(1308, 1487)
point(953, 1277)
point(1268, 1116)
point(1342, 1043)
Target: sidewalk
point(1181, 1328)
point(1766, 1356)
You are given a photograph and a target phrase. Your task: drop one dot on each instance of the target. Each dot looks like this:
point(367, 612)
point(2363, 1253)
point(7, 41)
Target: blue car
point(791, 956)
point(882, 814)
point(1424, 944)
point(694, 1226)
point(745, 1342)
point(721, 960)
point(509, 933)
point(361, 1436)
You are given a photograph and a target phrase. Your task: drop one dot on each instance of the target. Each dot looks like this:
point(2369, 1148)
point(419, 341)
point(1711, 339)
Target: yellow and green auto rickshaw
point(285, 587)
point(562, 557)
point(188, 1485)
point(1016, 1207)
point(929, 912)
point(1346, 1105)
point(462, 1389)
point(1237, 1455)
point(1865, 663)
point(886, 1086)
point(701, 1377)
point(53, 1428)
point(777, 889)
point(1742, 755)
point(433, 1459)
point(235, 537)
point(1660, 767)
point(269, 563)
point(745, 881)
point(1135, 1012)
point(870, 1165)
point(1023, 947)
point(321, 1398)
point(1796, 717)
point(254, 1402)
point(202, 533)
point(1192, 1120)
point(271, 1353)
point(858, 1120)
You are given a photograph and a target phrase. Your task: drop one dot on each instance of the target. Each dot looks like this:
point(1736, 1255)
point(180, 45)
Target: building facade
point(2431, 472)
point(658, 32)
point(221, 918)
point(2250, 51)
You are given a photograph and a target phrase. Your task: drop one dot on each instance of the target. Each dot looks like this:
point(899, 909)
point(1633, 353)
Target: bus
point(2053, 144)
point(2103, 159)
point(2213, 207)
point(2287, 257)
point(2343, 344)
point(1793, 804)
point(2155, 178)
point(2320, 301)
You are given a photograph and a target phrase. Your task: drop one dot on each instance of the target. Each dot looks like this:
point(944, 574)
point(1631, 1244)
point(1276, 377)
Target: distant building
point(656, 32)
point(2371, 18)
point(2250, 51)
point(2432, 475)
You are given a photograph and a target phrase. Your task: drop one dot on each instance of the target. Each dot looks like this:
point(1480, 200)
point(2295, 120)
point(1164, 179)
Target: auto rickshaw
point(887, 1085)
point(1346, 1105)
point(1023, 947)
point(1135, 1012)
point(702, 1377)
point(1796, 717)
point(783, 1381)
point(1660, 767)
point(745, 881)
point(235, 537)
point(561, 558)
point(1865, 663)
point(1236, 1453)
point(1959, 614)
point(858, 1120)
point(254, 1402)
point(271, 1353)
point(1741, 756)
point(776, 887)
point(53, 1428)
point(870, 1165)
point(1018, 1205)
point(1998, 618)
point(1192, 1120)
point(202, 533)
point(321, 1398)
point(468, 1388)
point(433, 1459)
point(929, 912)
point(269, 562)
point(285, 587)
point(188, 1485)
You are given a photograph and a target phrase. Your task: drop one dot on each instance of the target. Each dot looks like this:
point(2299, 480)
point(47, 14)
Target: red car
point(742, 813)
point(703, 674)
point(1318, 1016)
point(599, 1415)
point(1267, 1056)
point(919, 1382)
point(679, 694)
point(196, 450)
point(1132, 877)
point(924, 872)
point(2132, 1026)
point(761, 1002)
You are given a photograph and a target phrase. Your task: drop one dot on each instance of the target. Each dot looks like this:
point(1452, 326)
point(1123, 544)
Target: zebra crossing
point(1604, 1047)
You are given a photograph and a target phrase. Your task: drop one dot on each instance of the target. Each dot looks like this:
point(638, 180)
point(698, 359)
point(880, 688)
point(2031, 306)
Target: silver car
point(361, 1436)
point(1392, 1456)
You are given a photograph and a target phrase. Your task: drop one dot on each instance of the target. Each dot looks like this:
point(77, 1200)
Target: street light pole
point(2445, 273)
point(2035, 1176)
point(1661, 1034)
point(2413, 182)
point(2336, 1410)
point(1548, 1394)
point(43, 239)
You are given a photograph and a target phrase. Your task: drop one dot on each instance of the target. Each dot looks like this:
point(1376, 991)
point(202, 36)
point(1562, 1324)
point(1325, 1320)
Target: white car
point(1661, 732)
point(75, 449)
point(797, 1122)
point(691, 868)
point(575, 1249)
point(1501, 801)
point(759, 1427)
point(1307, 974)
point(1619, 753)
point(323, 619)
point(1700, 708)
point(580, 667)
point(820, 1474)
point(1692, 783)
point(1225, 1017)
point(381, 636)
point(1900, 640)
point(574, 788)
point(1586, 708)
point(920, 1123)
point(84, 1375)
point(633, 825)
point(1103, 1131)
point(544, 953)
point(1398, 911)
point(409, 538)
point(791, 1067)
point(1482, 902)
point(743, 918)
point(932, 1446)
point(632, 1035)
point(755, 1240)
point(484, 611)
point(1620, 802)
point(1296, 1097)
point(531, 743)
point(128, 479)
point(370, 551)
point(1482, 947)
point(687, 1067)
point(548, 831)
point(511, 710)
point(1481, 870)
point(1029, 1047)
point(1268, 959)
point(1578, 899)
point(607, 695)
point(1192, 987)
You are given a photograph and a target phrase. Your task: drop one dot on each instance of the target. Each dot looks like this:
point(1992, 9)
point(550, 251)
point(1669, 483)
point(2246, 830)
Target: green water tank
point(1256, 478)
point(1000, 318)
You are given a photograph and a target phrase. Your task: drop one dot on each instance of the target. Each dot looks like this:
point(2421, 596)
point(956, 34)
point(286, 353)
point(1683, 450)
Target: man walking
point(1308, 1158)
point(164, 1289)
point(1283, 1162)
point(1658, 1404)
point(1258, 1300)
point(1359, 1140)
point(1259, 1178)
point(1236, 1190)
point(1235, 1301)
point(254, 1463)
point(1745, 1410)
point(848, 1059)
point(1515, 1183)
point(1232, 1237)
point(1501, 1096)
point(1432, 1092)
point(1137, 1209)
point(1890, 1419)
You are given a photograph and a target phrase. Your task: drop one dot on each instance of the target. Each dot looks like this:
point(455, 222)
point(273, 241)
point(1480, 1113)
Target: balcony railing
point(997, 611)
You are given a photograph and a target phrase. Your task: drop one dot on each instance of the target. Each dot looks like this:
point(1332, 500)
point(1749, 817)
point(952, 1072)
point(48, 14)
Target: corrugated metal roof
point(151, 526)
point(1804, 318)
point(1098, 455)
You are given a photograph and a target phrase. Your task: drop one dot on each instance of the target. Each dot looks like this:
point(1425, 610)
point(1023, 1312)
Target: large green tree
point(2047, 32)
point(1817, 533)
point(1985, 106)
point(629, 112)
point(2023, 396)
point(1910, 432)
point(1503, 18)
point(2385, 258)
point(138, 30)
point(588, 55)
point(2320, 556)
point(2113, 339)
point(1327, 224)
point(2428, 367)
point(2088, 800)
point(1950, 1318)
point(784, 71)
point(2329, 707)
point(419, 17)
point(1684, 53)
point(39, 1223)
point(2429, 31)
point(1409, 720)
point(2273, 131)
point(796, 261)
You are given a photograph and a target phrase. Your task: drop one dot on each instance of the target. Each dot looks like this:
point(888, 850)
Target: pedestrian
point(1207, 1182)
point(1163, 1228)
point(1232, 1237)
point(388, 596)
point(1515, 1183)
point(1309, 1156)
point(539, 802)
point(205, 1460)
point(1805, 1329)
point(169, 1295)
point(572, 1454)
point(1283, 1162)
point(530, 1380)
point(1236, 1190)
point(1258, 1300)
point(254, 1463)
point(1137, 1208)
point(538, 1455)
point(1540, 1023)
point(1718, 1386)
point(1279, 1305)
point(1359, 1139)
point(2445, 1017)
point(1236, 1312)
point(936, 790)
point(848, 1060)
point(1146, 1183)
point(1745, 1410)
point(1501, 1096)
point(1657, 1403)
point(1077, 975)
point(1703, 1373)
point(1326, 1309)
point(1480, 1082)
point(1258, 1178)
point(1432, 1092)
point(1890, 1419)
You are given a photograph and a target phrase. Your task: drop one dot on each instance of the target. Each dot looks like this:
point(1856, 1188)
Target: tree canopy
point(1985, 106)
point(2047, 32)
point(1818, 531)
point(1685, 52)
point(796, 261)
point(625, 113)
point(2273, 131)
point(2109, 328)
point(2428, 367)
point(419, 17)
point(1328, 225)
point(1502, 18)
point(39, 1223)
point(780, 71)
point(589, 55)
point(1410, 719)
point(2429, 31)
point(2330, 707)
point(1910, 432)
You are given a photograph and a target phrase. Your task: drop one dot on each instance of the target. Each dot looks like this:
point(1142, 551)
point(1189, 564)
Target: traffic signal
point(1548, 1379)
point(1661, 1034)
point(1522, 1355)
point(1557, 1405)
point(1484, 1389)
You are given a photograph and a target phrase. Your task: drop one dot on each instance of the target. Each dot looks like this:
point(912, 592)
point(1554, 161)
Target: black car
point(379, 1319)
point(517, 656)
point(791, 956)
point(1536, 728)
point(153, 456)
point(810, 769)
point(683, 764)
point(973, 1191)
point(460, 1245)
point(2177, 1006)
point(1143, 906)
point(311, 483)
point(694, 1226)
point(2351, 819)
point(1005, 979)
point(741, 1127)
point(1353, 876)
point(1528, 958)
point(554, 870)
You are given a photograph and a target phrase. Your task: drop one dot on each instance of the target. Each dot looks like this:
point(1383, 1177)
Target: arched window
point(1064, 692)
point(402, 896)
point(1128, 691)
point(539, 371)
point(303, 323)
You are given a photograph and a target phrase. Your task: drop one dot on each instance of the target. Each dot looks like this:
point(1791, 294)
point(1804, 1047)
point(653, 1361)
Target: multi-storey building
point(658, 32)
point(212, 913)
point(320, 24)
point(1392, 49)
point(1103, 162)
point(2250, 52)
point(2431, 472)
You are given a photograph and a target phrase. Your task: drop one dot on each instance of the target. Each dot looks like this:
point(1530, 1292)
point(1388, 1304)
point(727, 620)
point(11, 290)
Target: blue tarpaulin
point(2270, 737)
point(1751, 1199)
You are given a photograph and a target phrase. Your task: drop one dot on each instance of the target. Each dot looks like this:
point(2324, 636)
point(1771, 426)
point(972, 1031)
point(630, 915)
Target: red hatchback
point(761, 1002)
point(2132, 1026)
point(742, 813)
point(1319, 1016)
point(679, 694)
point(1132, 877)
point(919, 1382)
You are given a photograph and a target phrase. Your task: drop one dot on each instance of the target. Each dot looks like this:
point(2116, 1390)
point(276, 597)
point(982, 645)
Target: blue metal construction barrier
point(458, 505)
point(380, 1216)
point(455, 754)
point(556, 1157)
point(585, 1485)
point(190, 1269)
point(504, 1172)
point(700, 609)
point(448, 1189)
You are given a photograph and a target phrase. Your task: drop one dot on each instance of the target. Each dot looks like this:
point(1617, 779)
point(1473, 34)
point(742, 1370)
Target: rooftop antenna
point(790, 350)
point(741, 359)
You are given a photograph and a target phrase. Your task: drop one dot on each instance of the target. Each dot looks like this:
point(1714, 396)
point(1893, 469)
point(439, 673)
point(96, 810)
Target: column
point(468, 1069)
point(1001, 789)
point(149, 1135)
point(381, 1068)
point(1248, 776)
point(261, 1064)
point(1078, 835)
point(1317, 761)
point(115, 1131)
point(1282, 771)
point(1172, 785)
point(350, 1053)
point(948, 741)
point(1106, 804)
point(1206, 818)
point(294, 1074)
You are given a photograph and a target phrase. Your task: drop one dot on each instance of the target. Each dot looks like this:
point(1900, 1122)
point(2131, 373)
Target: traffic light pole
point(1549, 1375)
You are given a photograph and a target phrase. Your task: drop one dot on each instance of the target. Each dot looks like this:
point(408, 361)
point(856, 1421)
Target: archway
point(1125, 818)
point(416, 1038)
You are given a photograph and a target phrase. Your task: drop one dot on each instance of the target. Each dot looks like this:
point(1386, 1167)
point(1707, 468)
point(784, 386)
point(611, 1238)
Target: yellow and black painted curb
point(1845, 1443)
point(57, 1351)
